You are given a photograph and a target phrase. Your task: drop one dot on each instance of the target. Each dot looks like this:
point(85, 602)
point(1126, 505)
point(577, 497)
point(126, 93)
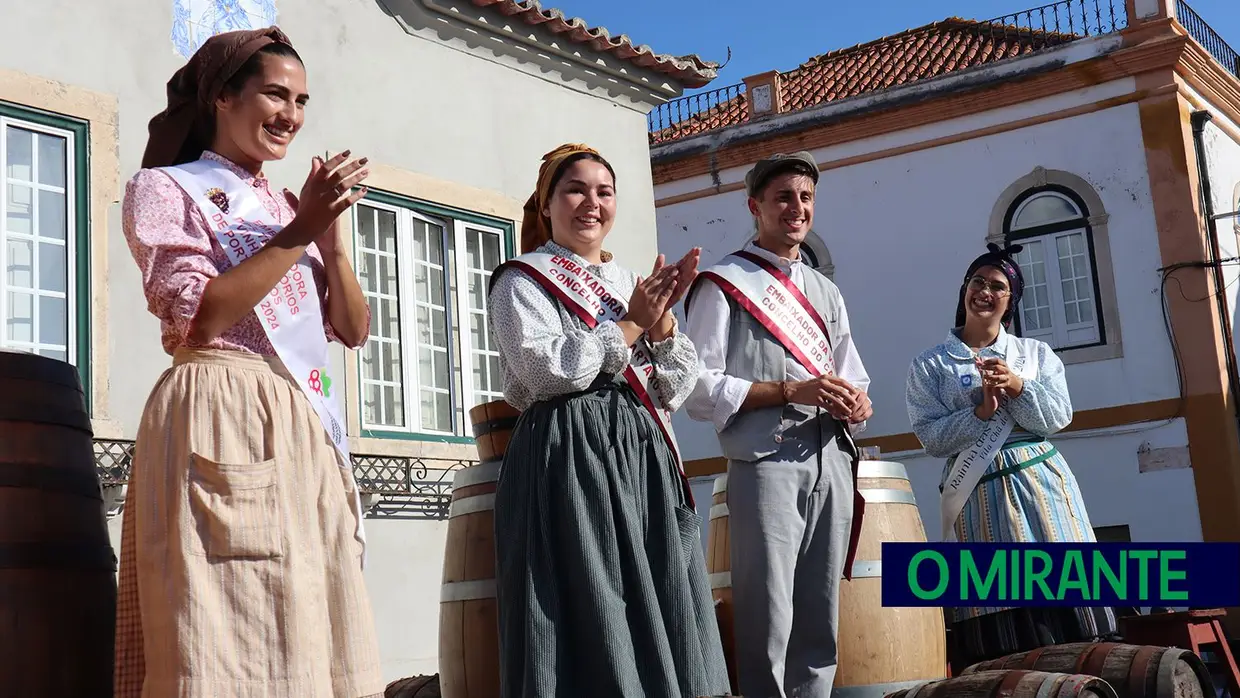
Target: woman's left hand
point(326, 242)
point(996, 374)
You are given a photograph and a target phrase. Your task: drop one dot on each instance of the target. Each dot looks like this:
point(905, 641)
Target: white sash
point(972, 462)
point(592, 300)
point(774, 300)
point(291, 315)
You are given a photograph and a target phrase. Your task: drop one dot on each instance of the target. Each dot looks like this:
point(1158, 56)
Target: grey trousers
point(789, 522)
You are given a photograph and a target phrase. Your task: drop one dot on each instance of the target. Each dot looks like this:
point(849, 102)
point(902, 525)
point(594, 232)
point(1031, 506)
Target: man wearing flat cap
point(783, 384)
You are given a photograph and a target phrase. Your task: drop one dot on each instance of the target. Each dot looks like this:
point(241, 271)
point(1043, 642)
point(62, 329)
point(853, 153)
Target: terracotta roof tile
point(691, 71)
point(926, 52)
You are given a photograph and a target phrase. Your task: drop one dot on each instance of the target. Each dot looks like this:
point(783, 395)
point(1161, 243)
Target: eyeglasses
point(977, 283)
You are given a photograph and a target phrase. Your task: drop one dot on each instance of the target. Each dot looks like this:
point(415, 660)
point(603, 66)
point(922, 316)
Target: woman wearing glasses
point(987, 401)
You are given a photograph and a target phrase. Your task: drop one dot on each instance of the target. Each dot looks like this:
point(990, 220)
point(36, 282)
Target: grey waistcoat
point(755, 355)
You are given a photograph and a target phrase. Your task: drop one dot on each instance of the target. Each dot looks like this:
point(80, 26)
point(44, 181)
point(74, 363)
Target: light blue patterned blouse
point(944, 386)
point(546, 350)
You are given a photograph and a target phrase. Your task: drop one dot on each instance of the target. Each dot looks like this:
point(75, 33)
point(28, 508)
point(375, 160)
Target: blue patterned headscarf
point(1004, 260)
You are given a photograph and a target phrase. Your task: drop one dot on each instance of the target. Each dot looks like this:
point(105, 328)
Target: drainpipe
point(1206, 196)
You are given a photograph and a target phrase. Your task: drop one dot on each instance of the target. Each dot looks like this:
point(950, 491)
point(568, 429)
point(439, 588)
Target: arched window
point(1061, 301)
point(815, 254)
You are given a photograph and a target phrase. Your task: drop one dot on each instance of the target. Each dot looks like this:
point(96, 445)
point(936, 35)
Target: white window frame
point(456, 308)
point(71, 233)
point(462, 272)
point(1058, 333)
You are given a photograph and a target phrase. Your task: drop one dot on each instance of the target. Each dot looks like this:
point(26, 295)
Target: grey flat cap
point(776, 164)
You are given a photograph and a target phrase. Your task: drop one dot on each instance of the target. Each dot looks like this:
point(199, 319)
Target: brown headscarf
point(536, 227)
point(180, 132)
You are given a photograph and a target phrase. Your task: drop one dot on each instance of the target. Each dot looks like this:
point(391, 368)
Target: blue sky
point(785, 33)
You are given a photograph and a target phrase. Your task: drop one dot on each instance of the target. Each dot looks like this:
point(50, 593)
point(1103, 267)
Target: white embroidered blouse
point(545, 350)
point(944, 386)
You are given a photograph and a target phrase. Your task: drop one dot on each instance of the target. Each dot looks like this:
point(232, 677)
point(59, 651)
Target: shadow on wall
point(460, 25)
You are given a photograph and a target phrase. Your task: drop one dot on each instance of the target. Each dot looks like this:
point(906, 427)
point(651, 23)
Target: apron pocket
point(236, 508)
point(690, 528)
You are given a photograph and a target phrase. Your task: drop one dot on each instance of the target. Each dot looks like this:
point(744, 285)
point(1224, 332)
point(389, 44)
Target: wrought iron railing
point(392, 487)
point(1036, 29)
point(1209, 39)
point(698, 113)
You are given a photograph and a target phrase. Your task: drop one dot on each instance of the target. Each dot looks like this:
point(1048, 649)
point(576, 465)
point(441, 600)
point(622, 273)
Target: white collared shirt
point(718, 397)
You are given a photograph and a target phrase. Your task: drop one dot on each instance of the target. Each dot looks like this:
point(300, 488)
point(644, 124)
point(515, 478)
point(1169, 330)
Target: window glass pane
point(473, 248)
point(19, 211)
point(386, 230)
point(437, 287)
point(439, 328)
point(442, 370)
point(371, 403)
point(371, 361)
point(51, 160)
point(19, 158)
point(52, 268)
point(19, 263)
point(490, 251)
point(1043, 209)
point(52, 215)
point(366, 226)
point(19, 326)
point(426, 367)
point(387, 276)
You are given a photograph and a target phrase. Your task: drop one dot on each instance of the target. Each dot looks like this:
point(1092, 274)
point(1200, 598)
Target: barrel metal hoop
point(484, 428)
point(1166, 673)
point(875, 690)
point(17, 411)
point(1137, 669)
point(62, 556)
point(1095, 658)
point(718, 511)
point(888, 496)
point(83, 483)
point(721, 484)
point(473, 590)
point(721, 580)
point(1007, 687)
point(472, 505)
point(476, 475)
point(882, 469)
point(1049, 689)
point(867, 569)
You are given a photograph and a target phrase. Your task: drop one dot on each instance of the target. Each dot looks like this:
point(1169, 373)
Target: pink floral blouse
point(178, 254)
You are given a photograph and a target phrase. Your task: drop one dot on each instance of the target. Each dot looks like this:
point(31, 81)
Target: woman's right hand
point(652, 295)
point(326, 194)
point(990, 403)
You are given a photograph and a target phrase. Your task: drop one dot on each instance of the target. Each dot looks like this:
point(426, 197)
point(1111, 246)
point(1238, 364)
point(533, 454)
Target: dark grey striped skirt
point(601, 577)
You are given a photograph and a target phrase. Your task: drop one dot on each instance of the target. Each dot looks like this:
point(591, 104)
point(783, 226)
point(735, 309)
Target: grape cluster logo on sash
point(320, 382)
point(219, 198)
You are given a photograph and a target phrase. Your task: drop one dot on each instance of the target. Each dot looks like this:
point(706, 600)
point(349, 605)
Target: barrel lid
point(33, 367)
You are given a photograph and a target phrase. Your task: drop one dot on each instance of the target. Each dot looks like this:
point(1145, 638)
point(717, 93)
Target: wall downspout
point(1206, 195)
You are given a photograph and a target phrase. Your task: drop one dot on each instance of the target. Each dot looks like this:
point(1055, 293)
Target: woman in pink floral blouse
point(242, 544)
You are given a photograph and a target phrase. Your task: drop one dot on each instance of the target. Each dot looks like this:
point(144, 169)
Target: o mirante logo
point(1061, 574)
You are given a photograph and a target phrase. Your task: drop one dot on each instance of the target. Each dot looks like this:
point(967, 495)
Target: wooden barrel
point(1015, 683)
point(414, 687)
point(1136, 671)
point(880, 649)
point(885, 649)
point(468, 614)
point(57, 567)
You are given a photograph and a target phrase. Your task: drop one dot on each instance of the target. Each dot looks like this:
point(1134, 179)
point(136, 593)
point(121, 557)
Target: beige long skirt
point(240, 576)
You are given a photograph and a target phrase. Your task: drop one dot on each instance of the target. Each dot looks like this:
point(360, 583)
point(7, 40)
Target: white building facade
point(1081, 150)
